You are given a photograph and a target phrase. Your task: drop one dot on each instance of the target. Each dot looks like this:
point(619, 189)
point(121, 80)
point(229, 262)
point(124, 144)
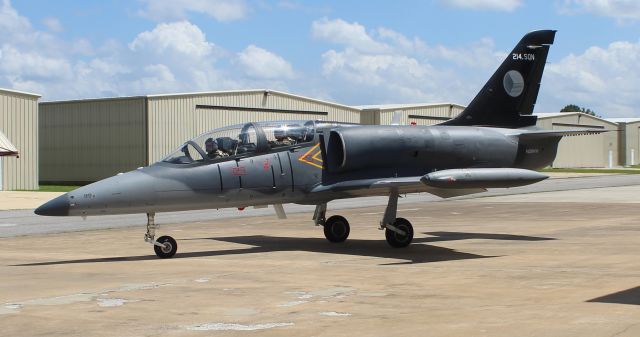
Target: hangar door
point(580, 151)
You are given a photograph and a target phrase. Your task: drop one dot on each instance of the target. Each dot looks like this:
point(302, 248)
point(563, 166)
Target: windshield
point(243, 140)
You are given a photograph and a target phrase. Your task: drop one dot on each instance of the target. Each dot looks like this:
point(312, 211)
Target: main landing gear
point(398, 231)
point(166, 246)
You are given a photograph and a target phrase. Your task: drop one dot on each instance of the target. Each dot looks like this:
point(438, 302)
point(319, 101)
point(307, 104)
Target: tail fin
point(507, 99)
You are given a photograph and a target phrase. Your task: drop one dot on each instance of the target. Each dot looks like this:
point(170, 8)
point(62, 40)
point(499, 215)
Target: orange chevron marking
point(312, 157)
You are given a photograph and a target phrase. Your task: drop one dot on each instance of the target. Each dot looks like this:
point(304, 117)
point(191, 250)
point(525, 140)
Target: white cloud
point(384, 66)
point(379, 77)
point(408, 69)
point(263, 64)
point(179, 39)
point(621, 10)
point(33, 64)
point(155, 78)
point(179, 53)
point(491, 5)
point(342, 32)
point(53, 24)
point(603, 79)
point(17, 30)
point(10, 20)
point(82, 47)
point(171, 57)
point(362, 66)
point(168, 10)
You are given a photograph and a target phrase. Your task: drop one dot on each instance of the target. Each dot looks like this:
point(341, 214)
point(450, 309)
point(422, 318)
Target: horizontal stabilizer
point(559, 133)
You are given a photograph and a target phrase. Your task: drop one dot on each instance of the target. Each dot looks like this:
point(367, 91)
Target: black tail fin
point(507, 99)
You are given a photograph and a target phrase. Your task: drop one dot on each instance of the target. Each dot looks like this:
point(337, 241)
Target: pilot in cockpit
point(281, 138)
point(212, 149)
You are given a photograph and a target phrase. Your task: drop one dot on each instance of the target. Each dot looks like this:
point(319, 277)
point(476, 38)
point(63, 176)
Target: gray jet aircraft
point(493, 143)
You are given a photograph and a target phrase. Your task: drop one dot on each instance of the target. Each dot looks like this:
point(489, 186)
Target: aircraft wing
point(445, 183)
point(404, 185)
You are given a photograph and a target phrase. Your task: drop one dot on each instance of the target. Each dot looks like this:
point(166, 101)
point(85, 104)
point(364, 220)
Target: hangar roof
point(204, 93)
point(11, 91)
point(404, 106)
point(543, 115)
point(624, 120)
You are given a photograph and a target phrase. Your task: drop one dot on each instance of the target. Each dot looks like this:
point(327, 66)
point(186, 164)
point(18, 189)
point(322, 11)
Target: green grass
point(54, 188)
point(590, 170)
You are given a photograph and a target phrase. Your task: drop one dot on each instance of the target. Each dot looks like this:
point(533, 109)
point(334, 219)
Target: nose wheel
point(166, 246)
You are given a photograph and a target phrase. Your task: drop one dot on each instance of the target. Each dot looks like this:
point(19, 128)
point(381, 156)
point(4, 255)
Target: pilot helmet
point(294, 133)
point(210, 145)
point(278, 133)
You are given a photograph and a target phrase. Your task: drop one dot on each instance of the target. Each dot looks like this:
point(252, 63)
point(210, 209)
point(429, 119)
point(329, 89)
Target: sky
point(350, 52)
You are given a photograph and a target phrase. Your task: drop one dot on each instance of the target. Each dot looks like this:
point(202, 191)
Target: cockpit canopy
point(245, 140)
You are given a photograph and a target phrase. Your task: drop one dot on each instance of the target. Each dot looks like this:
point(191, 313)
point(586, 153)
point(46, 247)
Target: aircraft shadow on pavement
point(416, 253)
point(454, 236)
point(629, 296)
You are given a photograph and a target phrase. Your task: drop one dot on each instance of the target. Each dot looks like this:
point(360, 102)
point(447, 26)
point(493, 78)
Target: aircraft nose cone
point(56, 207)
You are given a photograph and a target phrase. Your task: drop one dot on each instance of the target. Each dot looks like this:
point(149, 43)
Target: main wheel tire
point(168, 249)
point(336, 229)
point(397, 240)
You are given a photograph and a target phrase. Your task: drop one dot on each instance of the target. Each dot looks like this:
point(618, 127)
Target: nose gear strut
point(166, 246)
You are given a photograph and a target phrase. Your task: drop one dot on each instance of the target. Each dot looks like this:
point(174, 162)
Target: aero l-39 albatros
point(493, 143)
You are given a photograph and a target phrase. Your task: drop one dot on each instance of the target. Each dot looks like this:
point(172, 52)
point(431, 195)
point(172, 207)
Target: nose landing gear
point(166, 246)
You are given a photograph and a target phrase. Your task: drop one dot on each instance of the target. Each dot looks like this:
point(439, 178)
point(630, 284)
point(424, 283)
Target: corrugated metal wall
point(583, 151)
point(85, 141)
point(370, 117)
point(19, 122)
point(422, 115)
point(88, 140)
point(175, 118)
point(632, 143)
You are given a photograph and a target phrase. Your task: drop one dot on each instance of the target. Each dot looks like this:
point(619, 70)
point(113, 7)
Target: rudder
point(508, 98)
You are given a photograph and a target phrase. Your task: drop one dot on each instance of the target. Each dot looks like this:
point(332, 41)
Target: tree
point(571, 108)
point(575, 108)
